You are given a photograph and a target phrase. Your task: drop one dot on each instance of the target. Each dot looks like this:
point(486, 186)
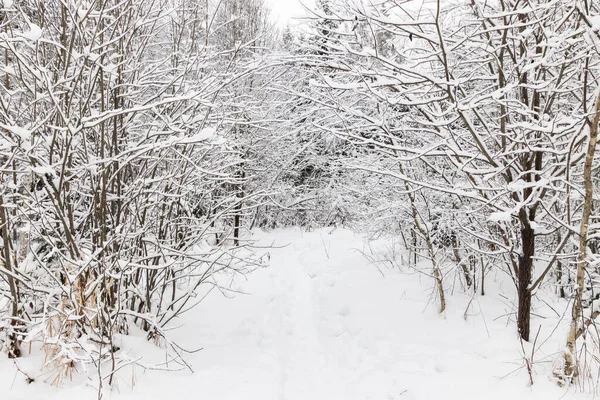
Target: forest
point(146, 147)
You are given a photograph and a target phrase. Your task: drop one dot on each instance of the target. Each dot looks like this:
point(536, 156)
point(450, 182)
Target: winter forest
point(382, 199)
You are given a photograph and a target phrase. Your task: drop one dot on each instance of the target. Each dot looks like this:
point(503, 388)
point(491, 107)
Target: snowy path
point(321, 323)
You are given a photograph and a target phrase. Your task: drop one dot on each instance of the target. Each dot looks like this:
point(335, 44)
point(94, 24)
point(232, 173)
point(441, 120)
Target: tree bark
point(524, 280)
point(462, 263)
point(14, 350)
point(570, 370)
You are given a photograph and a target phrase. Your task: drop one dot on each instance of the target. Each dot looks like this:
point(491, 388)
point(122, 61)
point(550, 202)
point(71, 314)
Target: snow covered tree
point(113, 162)
point(495, 100)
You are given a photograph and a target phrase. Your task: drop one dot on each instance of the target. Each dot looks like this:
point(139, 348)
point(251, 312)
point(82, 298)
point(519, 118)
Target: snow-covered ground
point(323, 323)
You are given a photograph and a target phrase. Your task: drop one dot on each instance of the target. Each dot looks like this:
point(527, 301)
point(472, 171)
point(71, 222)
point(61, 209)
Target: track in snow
point(322, 323)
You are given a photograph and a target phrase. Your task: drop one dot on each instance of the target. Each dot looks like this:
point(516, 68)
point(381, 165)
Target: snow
point(206, 133)
point(323, 323)
point(595, 21)
point(89, 54)
point(500, 216)
point(43, 170)
point(34, 34)
point(23, 133)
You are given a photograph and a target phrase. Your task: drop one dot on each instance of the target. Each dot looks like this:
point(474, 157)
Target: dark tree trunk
point(482, 277)
point(414, 238)
point(559, 279)
point(524, 281)
point(237, 222)
point(237, 219)
point(14, 340)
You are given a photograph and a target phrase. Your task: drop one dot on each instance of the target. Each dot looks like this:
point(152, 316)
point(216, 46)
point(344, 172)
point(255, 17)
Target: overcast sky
point(285, 10)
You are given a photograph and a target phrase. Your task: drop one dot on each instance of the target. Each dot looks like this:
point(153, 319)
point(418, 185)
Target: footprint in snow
point(330, 282)
point(344, 311)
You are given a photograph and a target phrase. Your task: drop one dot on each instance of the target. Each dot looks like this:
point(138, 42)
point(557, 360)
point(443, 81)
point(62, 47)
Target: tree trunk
point(482, 277)
point(439, 281)
point(14, 350)
point(460, 262)
point(524, 280)
point(414, 244)
point(570, 370)
point(237, 222)
point(237, 219)
point(559, 280)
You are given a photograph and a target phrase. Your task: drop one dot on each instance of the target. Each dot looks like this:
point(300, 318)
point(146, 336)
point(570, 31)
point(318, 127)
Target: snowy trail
point(322, 323)
point(299, 346)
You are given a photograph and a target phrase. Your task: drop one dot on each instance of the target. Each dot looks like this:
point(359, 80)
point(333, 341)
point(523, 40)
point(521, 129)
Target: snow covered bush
point(113, 164)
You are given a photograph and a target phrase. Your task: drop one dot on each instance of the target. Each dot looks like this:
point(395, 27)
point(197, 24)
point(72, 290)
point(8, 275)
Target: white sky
point(284, 11)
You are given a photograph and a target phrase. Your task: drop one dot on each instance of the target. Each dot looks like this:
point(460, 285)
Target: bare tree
point(490, 104)
point(114, 156)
